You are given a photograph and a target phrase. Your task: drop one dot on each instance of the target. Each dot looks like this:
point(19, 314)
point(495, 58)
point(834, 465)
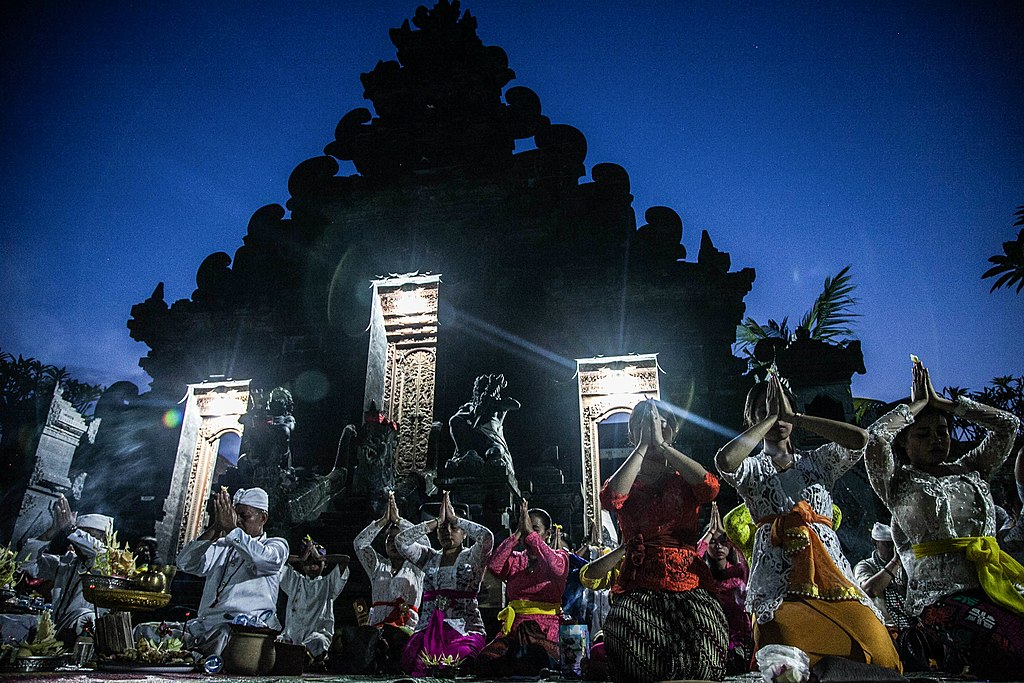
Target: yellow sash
point(599, 582)
point(997, 571)
point(516, 608)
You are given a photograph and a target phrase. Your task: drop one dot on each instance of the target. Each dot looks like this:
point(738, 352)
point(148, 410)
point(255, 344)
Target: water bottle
point(212, 664)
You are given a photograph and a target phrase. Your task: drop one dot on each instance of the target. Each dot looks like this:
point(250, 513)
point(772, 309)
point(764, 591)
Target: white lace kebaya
point(929, 507)
point(389, 591)
point(464, 576)
point(767, 492)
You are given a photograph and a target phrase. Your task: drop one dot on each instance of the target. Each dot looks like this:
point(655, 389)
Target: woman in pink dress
point(450, 626)
point(535, 581)
point(730, 572)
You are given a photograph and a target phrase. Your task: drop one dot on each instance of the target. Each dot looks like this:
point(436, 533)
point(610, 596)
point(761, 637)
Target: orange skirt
point(820, 628)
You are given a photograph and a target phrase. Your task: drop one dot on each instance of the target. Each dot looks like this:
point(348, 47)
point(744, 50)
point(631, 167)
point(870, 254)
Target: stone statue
point(296, 495)
point(477, 428)
point(374, 445)
point(266, 440)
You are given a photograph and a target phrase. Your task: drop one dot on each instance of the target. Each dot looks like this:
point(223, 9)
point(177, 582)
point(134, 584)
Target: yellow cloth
point(813, 573)
point(822, 629)
point(599, 582)
point(997, 571)
point(522, 608)
point(740, 527)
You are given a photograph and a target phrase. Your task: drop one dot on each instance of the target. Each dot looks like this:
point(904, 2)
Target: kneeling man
point(241, 565)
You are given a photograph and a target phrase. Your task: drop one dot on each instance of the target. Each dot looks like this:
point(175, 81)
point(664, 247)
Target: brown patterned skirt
point(661, 636)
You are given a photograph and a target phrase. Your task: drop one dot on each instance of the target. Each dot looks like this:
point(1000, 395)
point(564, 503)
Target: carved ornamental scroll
point(212, 409)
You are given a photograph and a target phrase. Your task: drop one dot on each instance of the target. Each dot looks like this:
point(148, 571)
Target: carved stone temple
point(537, 257)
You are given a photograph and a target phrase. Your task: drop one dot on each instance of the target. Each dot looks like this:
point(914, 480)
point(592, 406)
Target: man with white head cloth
point(881, 576)
point(62, 554)
point(242, 568)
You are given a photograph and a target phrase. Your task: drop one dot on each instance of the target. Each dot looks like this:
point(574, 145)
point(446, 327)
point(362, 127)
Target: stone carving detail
point(374, 450)
point(185, 503)
point(414, 409)
point(265, 460)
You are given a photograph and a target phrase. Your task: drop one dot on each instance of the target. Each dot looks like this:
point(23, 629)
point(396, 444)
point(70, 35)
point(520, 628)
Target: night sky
point(140, 137)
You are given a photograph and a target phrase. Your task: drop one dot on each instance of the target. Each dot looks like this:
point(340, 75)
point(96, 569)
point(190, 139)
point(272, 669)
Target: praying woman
point(802, 591)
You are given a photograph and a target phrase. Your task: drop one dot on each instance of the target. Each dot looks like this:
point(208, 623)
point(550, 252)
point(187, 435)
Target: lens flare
point(172, 418)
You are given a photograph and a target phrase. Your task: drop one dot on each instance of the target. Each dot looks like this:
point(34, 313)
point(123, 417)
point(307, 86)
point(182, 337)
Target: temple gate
point(212, 410)
point(401, 362)
point(608, 386)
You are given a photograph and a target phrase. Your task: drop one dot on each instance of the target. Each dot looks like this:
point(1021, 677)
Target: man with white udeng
point(62, 554)
point(242, 568)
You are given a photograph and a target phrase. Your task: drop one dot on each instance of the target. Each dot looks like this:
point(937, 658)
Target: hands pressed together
point(224, 517)
point(778, 404)
point(923, 394)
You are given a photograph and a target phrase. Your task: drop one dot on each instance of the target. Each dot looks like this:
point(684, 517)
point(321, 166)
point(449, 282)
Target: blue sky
point(140, 137)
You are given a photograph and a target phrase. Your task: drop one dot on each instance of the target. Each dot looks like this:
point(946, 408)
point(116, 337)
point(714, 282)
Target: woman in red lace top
point(665, 622)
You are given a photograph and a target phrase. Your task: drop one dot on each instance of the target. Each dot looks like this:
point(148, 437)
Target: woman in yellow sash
point(801, 589)
point(959, 581)
point(535, 580)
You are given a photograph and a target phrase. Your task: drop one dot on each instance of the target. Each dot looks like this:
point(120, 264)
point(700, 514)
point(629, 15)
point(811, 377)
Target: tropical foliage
point(1009, 266)
point(830, 318)
point(24, 380)
point(1005, 393)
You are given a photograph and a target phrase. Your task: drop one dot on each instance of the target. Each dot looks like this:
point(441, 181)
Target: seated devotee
point(396, 584)
point(535, 580)
point(311, 595)
point(598, 576)
point(960, 582)
point(65, 551)
point(242, 567)
point(729, 570)
point(801, 591)
point(665, 622)
point(450, 625)
point(881, 576)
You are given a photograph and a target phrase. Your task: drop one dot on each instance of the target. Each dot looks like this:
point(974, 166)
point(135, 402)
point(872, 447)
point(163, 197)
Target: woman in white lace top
point(395, 583)
point(801, 589)
point(450, 623)
point(944, 524)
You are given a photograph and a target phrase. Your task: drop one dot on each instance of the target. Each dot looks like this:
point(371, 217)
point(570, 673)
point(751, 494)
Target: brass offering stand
point(122, 597)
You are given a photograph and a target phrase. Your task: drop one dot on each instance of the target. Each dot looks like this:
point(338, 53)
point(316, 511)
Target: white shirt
point(311, 605)
point(70, 607)
point(242, 573)
point(386, 587)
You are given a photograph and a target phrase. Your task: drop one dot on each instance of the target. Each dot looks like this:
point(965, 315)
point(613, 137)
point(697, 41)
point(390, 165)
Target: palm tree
point(1009, 265)
point(830, 318)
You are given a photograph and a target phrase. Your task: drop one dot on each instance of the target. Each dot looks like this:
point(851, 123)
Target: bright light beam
point(527, 349)
point(700, 421)
point(505, 339)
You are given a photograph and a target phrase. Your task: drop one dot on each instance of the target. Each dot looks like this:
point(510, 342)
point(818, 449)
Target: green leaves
point(26, 379)
point(1009, 266)
point(830, 318)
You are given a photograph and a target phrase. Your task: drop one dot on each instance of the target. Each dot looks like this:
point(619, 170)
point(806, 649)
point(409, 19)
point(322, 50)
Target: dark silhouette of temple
point(538, 267)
